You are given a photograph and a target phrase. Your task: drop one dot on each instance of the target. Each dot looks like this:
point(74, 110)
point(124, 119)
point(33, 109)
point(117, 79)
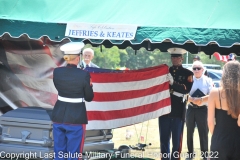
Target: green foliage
point(106, 58)
point(111, 58)
point(206, 59)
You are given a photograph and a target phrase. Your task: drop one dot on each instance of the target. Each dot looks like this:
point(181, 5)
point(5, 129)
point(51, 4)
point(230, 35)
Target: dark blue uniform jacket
point(183, 81)
point(71, 82)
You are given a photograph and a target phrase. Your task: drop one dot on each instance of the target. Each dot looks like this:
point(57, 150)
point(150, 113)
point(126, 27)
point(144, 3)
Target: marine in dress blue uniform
point(69, 114)
point(171, 125)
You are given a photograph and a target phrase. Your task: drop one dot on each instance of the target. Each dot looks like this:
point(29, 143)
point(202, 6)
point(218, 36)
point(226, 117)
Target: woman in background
point(224, 107)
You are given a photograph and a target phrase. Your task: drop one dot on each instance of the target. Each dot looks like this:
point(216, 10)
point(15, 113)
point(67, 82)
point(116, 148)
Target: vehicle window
point(213, 76)
point(216, 84)
point(209, 67)
point(213, 67)
point(219, 74)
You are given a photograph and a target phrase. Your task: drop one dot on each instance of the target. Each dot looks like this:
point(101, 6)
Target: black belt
point(196, 106)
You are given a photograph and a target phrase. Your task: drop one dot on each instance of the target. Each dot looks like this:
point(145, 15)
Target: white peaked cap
point(176, 51)
point(72, 47)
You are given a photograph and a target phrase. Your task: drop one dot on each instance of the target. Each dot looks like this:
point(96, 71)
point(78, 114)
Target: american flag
point(128, 97)
point(219, 57)
point(121, 98)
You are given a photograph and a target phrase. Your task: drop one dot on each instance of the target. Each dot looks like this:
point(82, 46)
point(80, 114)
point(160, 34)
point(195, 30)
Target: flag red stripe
point(127, 113)
point(130, 75)
point(116, 96)
point(220, 57)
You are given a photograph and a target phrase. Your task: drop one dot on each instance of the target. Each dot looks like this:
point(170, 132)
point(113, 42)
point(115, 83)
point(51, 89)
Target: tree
point(111, 58)
point(106, 57)
point(206, 59)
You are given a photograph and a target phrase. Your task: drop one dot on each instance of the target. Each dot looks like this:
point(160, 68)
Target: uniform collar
point(71, 66)
point(177, 67)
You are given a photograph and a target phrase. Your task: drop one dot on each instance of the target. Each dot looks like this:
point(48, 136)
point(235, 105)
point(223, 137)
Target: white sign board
point(101, 31)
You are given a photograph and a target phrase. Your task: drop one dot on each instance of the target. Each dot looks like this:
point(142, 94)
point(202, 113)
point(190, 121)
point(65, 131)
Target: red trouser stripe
point(83, 138)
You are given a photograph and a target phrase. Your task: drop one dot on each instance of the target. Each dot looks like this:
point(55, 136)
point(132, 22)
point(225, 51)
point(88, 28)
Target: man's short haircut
point(88, 50)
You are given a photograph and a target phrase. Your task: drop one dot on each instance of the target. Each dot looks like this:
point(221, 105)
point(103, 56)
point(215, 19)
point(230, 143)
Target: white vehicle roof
point(208, 66)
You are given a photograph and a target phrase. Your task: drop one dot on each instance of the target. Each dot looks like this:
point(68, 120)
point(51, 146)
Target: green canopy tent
point(201, 25)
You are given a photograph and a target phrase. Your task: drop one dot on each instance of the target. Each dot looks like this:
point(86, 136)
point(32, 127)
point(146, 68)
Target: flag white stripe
point(128, 103)
point(31, 60)
point(17, 60)
point(125, 86)
point(38, 64)
point(110, 124)
point(17, 94)
point(220, 58)
point(45, 84)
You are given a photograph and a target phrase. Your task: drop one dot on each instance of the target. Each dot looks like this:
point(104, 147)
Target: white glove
point(170, 78)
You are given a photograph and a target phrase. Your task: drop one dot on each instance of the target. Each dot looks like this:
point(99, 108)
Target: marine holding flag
point(69, 113)
point(181, 81)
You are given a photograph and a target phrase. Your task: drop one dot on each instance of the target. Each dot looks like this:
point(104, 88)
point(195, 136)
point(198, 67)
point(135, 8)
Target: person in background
point(197, 109)
point(231, 57)
point(223, 114)
point(69, 114)
point(88, 55)
point(196, 58)
point(171, 125)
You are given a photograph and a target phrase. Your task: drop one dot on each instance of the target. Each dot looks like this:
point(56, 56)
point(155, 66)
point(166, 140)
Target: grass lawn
point(147, 132)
